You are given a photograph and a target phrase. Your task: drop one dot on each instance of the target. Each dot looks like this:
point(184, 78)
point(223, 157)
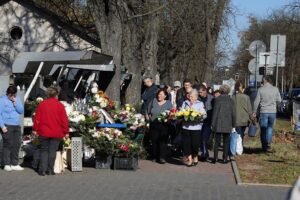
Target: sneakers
point(16, 168)
point(7, 168)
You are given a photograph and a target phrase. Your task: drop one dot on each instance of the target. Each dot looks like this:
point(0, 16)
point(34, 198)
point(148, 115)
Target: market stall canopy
point(28, 62)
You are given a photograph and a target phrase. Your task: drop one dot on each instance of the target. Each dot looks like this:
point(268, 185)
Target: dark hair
point(11, 90)
point(202, 87)
point(51, 92)
point(269, 79)
point(147, 77)
point(164, 91)
point(217, 91)
point(237, 86)
point(187, 81)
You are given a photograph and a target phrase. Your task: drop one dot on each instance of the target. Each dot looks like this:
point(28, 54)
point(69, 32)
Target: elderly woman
point(51, 125)
point(223, 121)
point(159, 130)
point(192, 130)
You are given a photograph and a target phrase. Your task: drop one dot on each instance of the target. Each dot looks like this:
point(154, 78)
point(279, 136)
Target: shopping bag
point(252, 129)
point(59, 164)
point(239, 145)
point(233, 142)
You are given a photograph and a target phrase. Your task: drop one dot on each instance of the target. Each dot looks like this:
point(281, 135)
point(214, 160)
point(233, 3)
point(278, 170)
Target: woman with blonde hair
point(223, 121)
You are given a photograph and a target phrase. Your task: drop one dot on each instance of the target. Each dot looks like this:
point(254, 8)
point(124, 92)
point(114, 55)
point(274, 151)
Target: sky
point(259, 8)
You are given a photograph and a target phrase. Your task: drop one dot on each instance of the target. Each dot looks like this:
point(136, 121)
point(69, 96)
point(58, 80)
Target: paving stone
point(151, 181)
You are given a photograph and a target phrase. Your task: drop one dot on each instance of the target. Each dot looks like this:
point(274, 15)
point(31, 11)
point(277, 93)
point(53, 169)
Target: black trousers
point(226, 140)
point(49, 146)
point(191, 142)
point(159, 138)
point(11, 145)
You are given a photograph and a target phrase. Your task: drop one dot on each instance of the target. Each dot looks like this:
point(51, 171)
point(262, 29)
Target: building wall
point(38, 35)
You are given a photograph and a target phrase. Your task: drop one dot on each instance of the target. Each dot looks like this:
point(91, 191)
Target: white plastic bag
point(233, 142)
point(59, 163)
point(239, 145)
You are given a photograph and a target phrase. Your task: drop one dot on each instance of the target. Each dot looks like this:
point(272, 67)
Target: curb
point(239, 180)
point(236, 172)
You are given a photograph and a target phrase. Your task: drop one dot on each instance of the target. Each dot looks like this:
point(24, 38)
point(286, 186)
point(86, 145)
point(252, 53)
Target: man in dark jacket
point(206, 128)
point(181, 93)
point(148, 94)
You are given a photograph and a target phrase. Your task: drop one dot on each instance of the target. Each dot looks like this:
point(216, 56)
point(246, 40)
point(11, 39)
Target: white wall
point(38, 35)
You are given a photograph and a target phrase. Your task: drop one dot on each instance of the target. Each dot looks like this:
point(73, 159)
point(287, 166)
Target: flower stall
point(111, 133)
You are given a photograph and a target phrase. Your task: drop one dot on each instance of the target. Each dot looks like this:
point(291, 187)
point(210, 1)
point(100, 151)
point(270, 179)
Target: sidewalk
point(151, 181)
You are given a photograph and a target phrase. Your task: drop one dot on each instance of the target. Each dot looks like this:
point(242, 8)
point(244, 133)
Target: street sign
point(278, 44)
point(252, 66)
point(256, 47)
point(264, 59)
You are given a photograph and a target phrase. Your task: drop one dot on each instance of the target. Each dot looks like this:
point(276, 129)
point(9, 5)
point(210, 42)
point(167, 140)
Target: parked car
point(293, 94)
point(282, 106)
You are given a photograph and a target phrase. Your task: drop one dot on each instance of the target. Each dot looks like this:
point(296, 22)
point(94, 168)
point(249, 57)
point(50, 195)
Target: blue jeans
point(204, 137)
point(266, 122)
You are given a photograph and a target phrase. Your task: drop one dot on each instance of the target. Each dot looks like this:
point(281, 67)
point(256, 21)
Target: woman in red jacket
point(51, 125)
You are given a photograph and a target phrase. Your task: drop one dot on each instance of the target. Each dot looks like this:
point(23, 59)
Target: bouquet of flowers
point(163, 117)
point(189, 115)
point(102, 140)
point(101, 100)
point(76, 117)
point(128, 116)
point(122, 116)
point(30, 106)
point(129, 108)
point(125, 147)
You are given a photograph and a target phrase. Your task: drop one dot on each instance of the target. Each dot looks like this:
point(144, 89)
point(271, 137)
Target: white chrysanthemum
point(81, 118)
point(39, 99)
point(103, 104)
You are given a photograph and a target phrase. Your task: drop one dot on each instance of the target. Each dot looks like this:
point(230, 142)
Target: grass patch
point(280, 167)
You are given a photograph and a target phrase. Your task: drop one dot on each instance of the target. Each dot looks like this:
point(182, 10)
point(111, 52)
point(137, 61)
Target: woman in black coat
point(223, 121)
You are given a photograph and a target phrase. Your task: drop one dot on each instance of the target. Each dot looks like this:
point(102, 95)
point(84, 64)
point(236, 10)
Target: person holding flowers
point(192, 113)
point(158, 112)
point(51, 125)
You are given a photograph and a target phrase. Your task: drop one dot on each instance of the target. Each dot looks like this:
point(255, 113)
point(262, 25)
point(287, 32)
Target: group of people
point(50, 126)
point(224, 114)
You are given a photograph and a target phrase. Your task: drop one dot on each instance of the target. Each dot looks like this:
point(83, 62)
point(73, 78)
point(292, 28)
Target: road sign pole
point(256, 67)
point(266, 56)
point(277, 61)
point(282, 80)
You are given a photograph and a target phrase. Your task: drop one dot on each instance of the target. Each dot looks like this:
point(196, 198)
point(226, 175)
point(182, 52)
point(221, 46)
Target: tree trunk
point(131, 59)
point(214, 16)
point(109, 26)
point(150, 47)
